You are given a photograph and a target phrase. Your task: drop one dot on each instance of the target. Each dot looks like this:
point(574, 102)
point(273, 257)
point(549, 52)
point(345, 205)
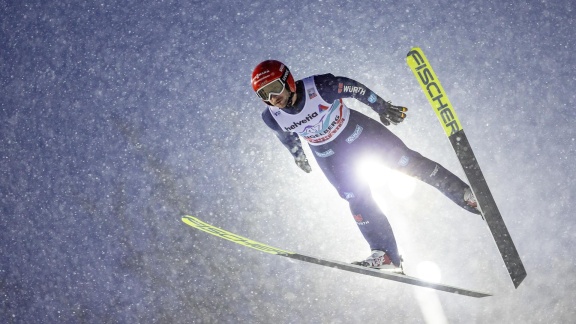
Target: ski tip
point(184, 218)
point(192, 221)
point(413, 50)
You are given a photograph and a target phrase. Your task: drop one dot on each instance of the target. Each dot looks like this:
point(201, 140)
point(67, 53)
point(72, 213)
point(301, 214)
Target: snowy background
point(118, 117)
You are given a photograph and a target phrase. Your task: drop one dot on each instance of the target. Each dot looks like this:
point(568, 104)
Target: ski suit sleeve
point(333, 87)
point(289, 139)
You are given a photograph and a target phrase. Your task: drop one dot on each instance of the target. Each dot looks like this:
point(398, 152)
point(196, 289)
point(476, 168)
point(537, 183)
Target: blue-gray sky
point(117, 117)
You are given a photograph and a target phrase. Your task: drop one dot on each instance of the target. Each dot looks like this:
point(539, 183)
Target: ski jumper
point(339, 137)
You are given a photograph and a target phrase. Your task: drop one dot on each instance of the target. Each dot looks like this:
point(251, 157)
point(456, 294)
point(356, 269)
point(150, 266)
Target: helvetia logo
point(308, 118)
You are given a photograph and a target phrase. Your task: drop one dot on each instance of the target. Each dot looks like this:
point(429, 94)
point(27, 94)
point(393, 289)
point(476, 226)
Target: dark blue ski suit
point(362, 137)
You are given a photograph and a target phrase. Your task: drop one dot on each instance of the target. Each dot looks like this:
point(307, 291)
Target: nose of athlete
point(275, 99)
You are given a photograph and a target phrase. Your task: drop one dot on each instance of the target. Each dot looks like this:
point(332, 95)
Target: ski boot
point(381, 261)
point(472, 202)
point(470, 199)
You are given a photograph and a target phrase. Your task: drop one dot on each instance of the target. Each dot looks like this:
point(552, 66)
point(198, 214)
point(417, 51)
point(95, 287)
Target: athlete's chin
point(281, 105)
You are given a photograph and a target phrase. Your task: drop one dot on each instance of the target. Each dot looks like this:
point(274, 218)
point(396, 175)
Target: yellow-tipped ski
point(196, 223)
point(439, 100)
point(433, 90)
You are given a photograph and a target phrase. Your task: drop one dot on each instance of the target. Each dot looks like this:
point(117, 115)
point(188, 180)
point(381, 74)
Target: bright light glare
point(377, 175)
point(429, 271)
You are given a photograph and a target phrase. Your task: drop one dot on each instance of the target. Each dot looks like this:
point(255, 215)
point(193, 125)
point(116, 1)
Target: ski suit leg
point(390, 149)
point(371, 221)
point(434, 174)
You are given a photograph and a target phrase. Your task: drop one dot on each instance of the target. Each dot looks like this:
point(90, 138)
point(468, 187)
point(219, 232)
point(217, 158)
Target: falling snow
point(118, 117)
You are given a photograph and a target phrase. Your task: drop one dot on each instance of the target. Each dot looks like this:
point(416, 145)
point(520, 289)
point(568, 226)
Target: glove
point(392, 114)
point(302, 162)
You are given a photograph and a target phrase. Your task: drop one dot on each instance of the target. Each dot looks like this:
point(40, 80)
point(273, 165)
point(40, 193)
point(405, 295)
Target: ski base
point(198, 224)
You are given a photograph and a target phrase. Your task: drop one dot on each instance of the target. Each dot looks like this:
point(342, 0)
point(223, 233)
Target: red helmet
point(269, 71)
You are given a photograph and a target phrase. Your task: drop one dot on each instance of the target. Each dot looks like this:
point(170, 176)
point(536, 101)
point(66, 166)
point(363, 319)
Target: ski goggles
point(273, 88)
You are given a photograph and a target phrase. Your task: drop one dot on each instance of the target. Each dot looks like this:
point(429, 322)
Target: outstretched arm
point(333, 87)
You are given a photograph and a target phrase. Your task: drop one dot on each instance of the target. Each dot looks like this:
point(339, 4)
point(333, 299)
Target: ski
point(453, 128)
point(198, 224)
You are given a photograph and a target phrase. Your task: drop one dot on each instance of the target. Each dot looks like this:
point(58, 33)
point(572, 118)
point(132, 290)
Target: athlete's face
point(280, 100)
